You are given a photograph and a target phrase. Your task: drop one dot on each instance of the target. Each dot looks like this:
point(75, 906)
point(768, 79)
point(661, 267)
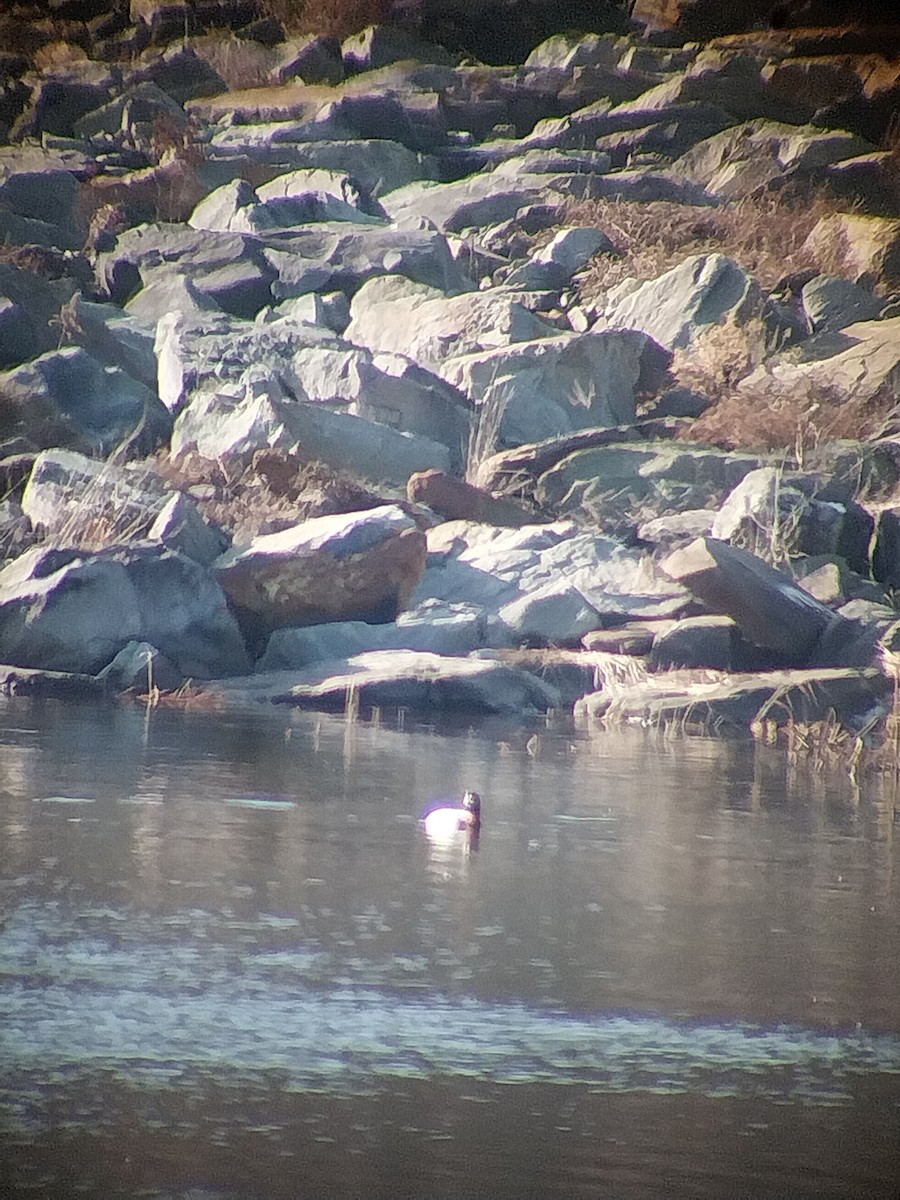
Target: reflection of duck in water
point(446, 821)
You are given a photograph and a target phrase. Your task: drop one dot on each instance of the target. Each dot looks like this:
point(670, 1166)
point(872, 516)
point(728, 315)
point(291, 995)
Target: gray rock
point(396, 392)
point(556, 614)
point(68, 493)
point(446, 630)
point(140, 666)
point(779, 514)
point(66, 397)
point(678, 528)
point(568, 50)
point(58, 100)
point(392, 314)
point(379, 164)
point(403, 678)
point(551, 387)
point(421, 418)
point(696, 642)
point(194, 351)
point(380, 45)
point(738, 160)
point(641, 480)
point(16, 230)
point(857, 362)
point(28, 305)
point(253, 413)
point(237, 208)
point(783, 697)
point(567, 570)
point(572, 249)
point(704, 290)
point(232, 208)
point(179, 71)
point(312, 59)
point(338, 184)
point(470, 203)
point(130, 117)
point(768, 607)
point(180, 526)
point(42, 184)
point(171, 290)
point(339, 256)
point(328, 310)
point(140, 251)
point(832, 302)
point(55, 610)
point(115, 338)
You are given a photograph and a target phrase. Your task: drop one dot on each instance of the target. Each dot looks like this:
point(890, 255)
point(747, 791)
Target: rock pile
point(366, 368)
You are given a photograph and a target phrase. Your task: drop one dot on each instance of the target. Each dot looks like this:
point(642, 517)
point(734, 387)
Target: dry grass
point(765, 234)
point(773, 417)
point(276, 491)
point(332, 18)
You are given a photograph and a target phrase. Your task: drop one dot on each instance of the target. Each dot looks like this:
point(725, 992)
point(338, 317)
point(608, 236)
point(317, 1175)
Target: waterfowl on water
point(448, 820)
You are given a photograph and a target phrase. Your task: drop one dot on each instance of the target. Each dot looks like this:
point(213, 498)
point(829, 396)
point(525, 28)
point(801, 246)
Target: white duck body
point(445, 823)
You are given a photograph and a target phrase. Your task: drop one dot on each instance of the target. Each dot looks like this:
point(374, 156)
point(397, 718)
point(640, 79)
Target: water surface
point(231, 965)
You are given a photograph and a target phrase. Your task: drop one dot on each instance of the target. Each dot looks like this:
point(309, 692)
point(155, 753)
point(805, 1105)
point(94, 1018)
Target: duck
point(448, 820)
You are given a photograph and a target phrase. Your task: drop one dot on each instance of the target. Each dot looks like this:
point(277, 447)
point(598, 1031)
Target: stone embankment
point(335, 370)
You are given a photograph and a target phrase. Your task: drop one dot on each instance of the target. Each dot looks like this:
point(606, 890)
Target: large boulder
point(555, 385)
point(635, 481)
point(234, 420)
point(779, 514)
point(353, 566)
point(470, 203)
point(412, 406)
point(858, 362)
point(407, 679)
point(55, 608)
point(757, 153)
point(29, 306)
point(456, 630)
point(548, 584)
point(832, 302)
point(768, 607)
point(114, 338)
point(675, 308)
point(396, 315)
point(42, 184)
point(379, 164)
point(340, 256)
point(67, 398)
point(138, 252)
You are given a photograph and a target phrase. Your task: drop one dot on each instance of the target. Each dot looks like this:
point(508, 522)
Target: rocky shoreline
point(344, 373)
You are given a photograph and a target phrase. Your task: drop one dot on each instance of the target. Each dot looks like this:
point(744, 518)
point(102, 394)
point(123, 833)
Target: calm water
point(231, 966)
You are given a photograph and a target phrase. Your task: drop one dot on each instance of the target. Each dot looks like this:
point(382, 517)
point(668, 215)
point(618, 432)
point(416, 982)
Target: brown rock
point(460, 501)
point(360, 566)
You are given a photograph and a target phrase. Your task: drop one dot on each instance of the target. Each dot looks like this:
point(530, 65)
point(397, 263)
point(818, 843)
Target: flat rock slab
point(54, 685)
point(767, 606)
point(397, 678)
point(739, 700)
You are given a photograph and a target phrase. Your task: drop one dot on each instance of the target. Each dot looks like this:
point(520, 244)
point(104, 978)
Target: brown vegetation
point(764, 233)
point(331, 18)
point(276, 491)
